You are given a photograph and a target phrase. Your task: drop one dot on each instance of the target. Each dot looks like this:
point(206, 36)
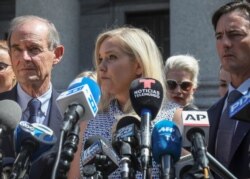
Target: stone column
point(65, 14)
point(191, 31)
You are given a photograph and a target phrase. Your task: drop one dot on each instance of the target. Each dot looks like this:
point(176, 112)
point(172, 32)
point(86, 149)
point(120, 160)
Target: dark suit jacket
point(42, 168)
point(240, 148)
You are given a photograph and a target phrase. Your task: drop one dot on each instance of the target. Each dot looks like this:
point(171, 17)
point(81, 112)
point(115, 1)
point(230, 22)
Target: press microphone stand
point(218, 168)
point(68, 151)
point(90, 172)
point(195, 172)
point(95, 170)
point(22, 163)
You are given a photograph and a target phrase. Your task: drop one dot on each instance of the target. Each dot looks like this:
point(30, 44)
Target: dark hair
point(241, 6)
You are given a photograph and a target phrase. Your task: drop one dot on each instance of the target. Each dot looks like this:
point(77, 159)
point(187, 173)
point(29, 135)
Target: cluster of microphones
point(136, 141)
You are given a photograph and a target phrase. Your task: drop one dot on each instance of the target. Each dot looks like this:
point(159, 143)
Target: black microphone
point(146, 96)
point(196, 128)
point(240, 110)
point(196, 131)
point(126, 142)
point(190, 107)
point(99, 158)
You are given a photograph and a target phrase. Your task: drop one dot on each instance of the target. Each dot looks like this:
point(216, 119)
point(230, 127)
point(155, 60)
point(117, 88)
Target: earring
point(13, 81)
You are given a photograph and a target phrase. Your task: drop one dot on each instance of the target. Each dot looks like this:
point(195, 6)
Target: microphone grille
point(146, 93)
point(10, 114)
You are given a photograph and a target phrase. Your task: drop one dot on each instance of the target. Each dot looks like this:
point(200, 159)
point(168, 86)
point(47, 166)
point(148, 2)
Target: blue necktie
point(34, 107)
point(226, 131)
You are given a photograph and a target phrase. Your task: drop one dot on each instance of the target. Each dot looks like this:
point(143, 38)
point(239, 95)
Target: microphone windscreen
point(98, 151)
point(166, 140)
point(91, 140)
point(92, 85)
point(83, 91)
point(10, 115)
point(126, 130)
point(126, 120)
point(40, 136)
point(146, 93)
point(190, 107)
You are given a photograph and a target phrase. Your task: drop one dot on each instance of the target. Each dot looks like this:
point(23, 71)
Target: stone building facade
point(178, 26)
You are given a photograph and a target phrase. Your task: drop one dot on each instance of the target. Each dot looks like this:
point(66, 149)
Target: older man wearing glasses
point(7, 76)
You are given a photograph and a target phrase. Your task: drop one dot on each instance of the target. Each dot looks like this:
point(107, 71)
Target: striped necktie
point(34, 107)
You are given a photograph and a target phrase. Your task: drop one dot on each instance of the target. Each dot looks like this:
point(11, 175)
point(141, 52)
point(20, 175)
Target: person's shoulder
point(169, 105)
point(216, 105)
point(12, 94)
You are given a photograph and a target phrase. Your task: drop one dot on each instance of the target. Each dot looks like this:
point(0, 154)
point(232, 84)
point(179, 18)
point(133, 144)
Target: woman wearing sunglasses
point(7, 76)
point(181, 78)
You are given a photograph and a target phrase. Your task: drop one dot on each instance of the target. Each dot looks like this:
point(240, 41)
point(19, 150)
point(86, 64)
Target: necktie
point(34, 106)
point(226, 130)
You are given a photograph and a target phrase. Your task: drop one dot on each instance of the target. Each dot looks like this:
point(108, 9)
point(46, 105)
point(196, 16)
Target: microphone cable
point(58, 155)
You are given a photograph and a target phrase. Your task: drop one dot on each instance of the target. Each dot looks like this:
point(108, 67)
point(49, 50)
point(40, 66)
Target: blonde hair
point(88, 73)
point(184, 62)
point(4, 45)
point(141, 47)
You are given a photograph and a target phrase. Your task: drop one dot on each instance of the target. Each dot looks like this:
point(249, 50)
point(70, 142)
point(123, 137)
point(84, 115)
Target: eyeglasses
point(3, 66)
point(185, 85)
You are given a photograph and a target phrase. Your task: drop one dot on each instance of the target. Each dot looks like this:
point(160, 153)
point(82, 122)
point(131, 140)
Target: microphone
point(30, 141)
point(86, 80)
point(166, 146)
point(126, 142)
point(240, 110)
point(81, 99)
point(146, 96)
point(196, 128)
point(190, 107)
point(99, 157)
point(183, 167)
point(10, 115)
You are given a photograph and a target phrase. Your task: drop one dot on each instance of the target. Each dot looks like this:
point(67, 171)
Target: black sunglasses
point(185, 85)
point(3, 66)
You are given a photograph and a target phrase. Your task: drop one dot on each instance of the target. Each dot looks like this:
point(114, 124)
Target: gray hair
point(183, 62)
point(53, 35)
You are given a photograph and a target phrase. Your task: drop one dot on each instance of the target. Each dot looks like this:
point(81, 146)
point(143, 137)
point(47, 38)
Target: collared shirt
point(243, 89)
point(23, 99)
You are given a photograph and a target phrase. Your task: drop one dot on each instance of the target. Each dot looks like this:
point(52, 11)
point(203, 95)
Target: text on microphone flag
point(239, 104)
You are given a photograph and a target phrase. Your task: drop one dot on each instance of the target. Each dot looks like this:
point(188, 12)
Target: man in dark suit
point(34, 49)
point(229, 139)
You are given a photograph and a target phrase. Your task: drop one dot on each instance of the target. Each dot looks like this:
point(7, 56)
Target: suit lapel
point(55, 118)
point(214, 114)
point(240, 132)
